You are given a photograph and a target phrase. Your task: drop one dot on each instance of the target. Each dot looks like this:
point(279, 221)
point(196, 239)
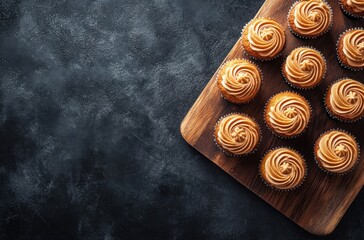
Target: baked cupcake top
point(346, 98)
point(353, 47)
point(237, 134)
point(337, 151)
point(304, 67)
point(266, 37)
point(239, 80)
point(283, 168)
point(311, 17)
point(288, 113)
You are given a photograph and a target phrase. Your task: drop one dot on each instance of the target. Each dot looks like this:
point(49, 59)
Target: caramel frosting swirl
point(289, 114)
point(241, 79)
point(266, 37)
point(238, 134)
point(284, 168)
point(305, 67)
point(356, 5)
point(312, 17)
point(353, 47)
point(337, 151)
point(347, 98)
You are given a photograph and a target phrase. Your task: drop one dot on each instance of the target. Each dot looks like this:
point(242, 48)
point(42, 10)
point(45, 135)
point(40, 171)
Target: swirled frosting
point(353, 47)
point(283, 168)
point(266, 37)
point(240, 79)
point(347, 98)
point(238, 134)
point(356, 6)
point(304, 67)
point(288, 114)
point(337, 151)
point(312, 17)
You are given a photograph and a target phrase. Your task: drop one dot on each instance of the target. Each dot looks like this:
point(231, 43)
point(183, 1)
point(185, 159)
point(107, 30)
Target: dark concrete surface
point(91, 98)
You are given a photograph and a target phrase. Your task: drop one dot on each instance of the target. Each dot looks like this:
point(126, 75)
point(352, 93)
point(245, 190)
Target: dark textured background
point(92, 94)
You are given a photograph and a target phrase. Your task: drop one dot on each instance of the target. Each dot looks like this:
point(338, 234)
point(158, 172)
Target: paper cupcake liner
point(261, 59)
point(278, 189)
point(327, 171)
point(228, 153)
point(304, 88)
point(240, 104)
point(342, 64)
point(273, 131)
point(347, 13)
point(261, 83)
point(256, 58)
point(309, 37)
point(330, 113)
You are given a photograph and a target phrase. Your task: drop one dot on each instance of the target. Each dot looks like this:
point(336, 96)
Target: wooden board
point(319, 204)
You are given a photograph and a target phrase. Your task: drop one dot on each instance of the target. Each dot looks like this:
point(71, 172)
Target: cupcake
point(345, 100)
point(263, 38)
point(336, 152)
point(287, 114)
point(353, 8)
point(237, 134)
point(304, 68)
point(283, 169)
point(310, 18)
point(239, 80)
point(350, 49)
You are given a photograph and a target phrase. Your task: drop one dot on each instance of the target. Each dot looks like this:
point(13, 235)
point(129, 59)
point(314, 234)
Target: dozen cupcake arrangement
point(287, 114)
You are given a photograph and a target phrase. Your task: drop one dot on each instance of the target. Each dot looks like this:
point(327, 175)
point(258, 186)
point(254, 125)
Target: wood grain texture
point(319, 204)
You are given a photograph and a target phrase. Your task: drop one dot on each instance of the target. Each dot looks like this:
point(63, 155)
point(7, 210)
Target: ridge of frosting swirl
point(347, 98)
point(312, 17)
point(357, 6)
point(241, 79)
point(238, 134)
point(305, 67)
point(353, 47)
point(290, 114)
point(284, 168)
point(266, 37)
point(337, 151)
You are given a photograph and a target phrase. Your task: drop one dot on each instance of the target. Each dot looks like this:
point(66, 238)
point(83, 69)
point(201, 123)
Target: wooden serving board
point(319, 204)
